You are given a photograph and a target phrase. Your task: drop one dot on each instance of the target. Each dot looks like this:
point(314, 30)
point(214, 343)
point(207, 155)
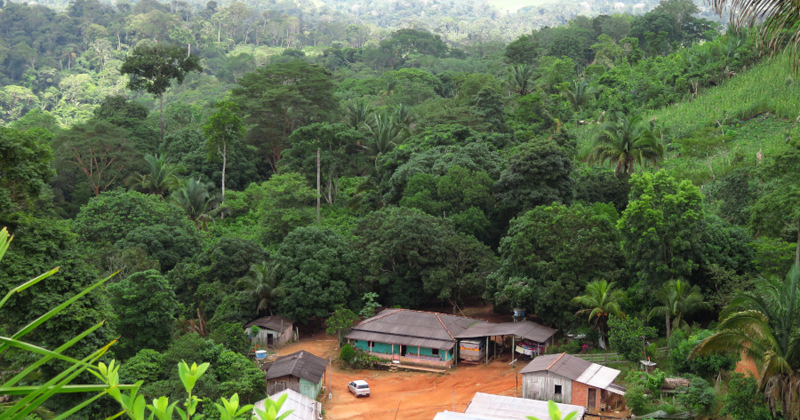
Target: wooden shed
point(274, 331)
point(571, 380)
point(302, 372)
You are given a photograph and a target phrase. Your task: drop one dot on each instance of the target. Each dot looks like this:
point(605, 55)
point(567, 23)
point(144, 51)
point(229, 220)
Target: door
point(592, 403)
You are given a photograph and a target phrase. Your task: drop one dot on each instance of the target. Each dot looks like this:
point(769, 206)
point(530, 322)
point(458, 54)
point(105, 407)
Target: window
point(558, 389)
point(370, 344)
point(435, 352)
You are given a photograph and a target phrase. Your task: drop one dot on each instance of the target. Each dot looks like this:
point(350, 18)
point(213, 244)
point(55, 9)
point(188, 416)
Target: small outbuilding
point(569, 379)
point(302, 407)
point(499, 407)
point(273, 331)
point(526, 337)
point(302, 372)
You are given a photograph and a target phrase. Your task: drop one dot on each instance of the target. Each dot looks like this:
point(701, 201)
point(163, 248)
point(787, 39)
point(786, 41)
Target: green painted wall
point(310, 389)
point(384, 348)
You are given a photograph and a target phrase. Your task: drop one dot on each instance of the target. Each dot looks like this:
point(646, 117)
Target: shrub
point(625, 336)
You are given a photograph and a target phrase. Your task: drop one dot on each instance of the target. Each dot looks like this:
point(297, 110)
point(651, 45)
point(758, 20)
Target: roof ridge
point(554, 361)
point(444, 326)
point(379, 316)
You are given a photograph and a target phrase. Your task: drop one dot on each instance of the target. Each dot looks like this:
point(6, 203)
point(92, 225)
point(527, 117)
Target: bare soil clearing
point(407, 395)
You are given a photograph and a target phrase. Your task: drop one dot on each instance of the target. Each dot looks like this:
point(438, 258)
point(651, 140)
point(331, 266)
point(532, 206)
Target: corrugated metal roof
point(573, 368)
point(274, 323)
point(301, 364)
point(450, 415)
point(616, 388)
point(412, 328)
point(489, 406)
point(527, 329)
point(304, 408)
point(598, 376)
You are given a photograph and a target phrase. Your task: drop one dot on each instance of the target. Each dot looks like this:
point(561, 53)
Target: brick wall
point(580, 395)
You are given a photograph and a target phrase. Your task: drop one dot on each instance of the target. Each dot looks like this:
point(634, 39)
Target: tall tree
point(678, 299)
point(196, 200)
point(601, 300)
point(24, 167)
point(153, 67)
point(662, 229)
point(223, 129)
point(764, 325)
point(279, 98)
point(626, 141)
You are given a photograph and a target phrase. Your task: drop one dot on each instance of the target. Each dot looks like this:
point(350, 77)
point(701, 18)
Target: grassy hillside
point(726, 126)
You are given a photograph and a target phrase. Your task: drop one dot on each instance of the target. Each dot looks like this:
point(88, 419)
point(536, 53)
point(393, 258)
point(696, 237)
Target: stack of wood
point(671, 384)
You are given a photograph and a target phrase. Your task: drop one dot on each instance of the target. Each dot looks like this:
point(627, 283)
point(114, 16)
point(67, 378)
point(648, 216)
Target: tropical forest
point(627, 173)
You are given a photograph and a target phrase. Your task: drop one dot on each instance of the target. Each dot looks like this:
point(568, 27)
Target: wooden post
point(319, 190)
point(487, 350)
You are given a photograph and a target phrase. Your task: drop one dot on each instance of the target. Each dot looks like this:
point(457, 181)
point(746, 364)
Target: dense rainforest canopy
point(233, 160)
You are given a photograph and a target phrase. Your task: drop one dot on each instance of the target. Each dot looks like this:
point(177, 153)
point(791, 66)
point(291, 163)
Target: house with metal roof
point(272, 331)
point(411, 337)
point(301, 406)
point(301, 371)
point(569, 379)
point(498, 407)
point(536, 338)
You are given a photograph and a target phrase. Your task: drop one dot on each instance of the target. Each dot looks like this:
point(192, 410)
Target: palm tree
point(161, 176)
point(356, 113)
point(677, 299)
point(579, 94)
point(626, 141)
point(775, 19)
point(386, 133)
point(521, 79)
point(601, 300)
point(264, 284)
point(194, 198)
point(764, 325)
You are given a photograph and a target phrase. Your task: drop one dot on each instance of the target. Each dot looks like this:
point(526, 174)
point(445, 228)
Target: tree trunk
point(319, 190)
point(224, 154)
point(797, 250)
point(667, 316)
point(161, 115)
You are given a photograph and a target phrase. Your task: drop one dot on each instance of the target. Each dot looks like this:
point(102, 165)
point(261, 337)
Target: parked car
point(359, 388)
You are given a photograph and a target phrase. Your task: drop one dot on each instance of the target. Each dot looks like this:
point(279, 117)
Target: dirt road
point(406, 395)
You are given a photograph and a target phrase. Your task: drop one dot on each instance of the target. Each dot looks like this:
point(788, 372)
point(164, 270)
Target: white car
point(359, 388)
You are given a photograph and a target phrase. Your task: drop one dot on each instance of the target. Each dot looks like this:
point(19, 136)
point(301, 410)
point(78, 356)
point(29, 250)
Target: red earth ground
point(408, 395)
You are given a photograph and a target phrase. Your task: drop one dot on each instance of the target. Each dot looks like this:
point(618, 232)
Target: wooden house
point(411, 337)
point(571, 380)
point(273, 331)
point(301, 371)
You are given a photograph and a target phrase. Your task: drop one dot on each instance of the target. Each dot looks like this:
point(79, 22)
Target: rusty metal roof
point(527, 329)
point(301, 364)
point(574, 368)
point(274, 323)
point(412, 328)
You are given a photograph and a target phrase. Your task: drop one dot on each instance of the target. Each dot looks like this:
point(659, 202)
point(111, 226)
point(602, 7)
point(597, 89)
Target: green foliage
point(24, 167)
point(538, 173)
point(110, 217)
point(316, 267)
point(600, 302)
point(681, 345)
point(147, 365)
point(661, 229)
point(35, 356)
point(555, 413)
point(153, 67)
point(742, 400)
point(169, 245)
point(370, 305)
point(699, 397)
point(655, 381)
point(340, 323)
point(550, 254)
point(627, 336)
point(279, 98)
point(146, 307)
point(352, 358)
